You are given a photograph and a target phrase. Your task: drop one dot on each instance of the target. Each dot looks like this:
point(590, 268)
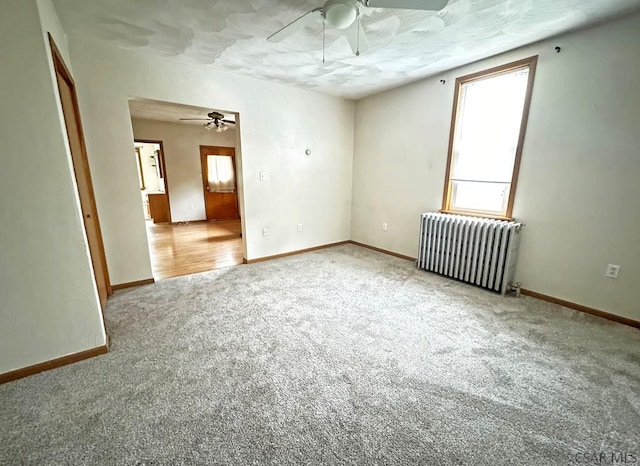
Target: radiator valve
point(516, 288)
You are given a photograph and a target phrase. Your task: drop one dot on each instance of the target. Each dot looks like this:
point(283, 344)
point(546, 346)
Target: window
point(221, 178)
point(489, 119)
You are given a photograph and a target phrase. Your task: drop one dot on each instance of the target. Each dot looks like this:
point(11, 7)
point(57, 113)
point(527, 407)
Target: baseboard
point(52, 364)
point(292, 253)
point(324, 246)
point(188, 222)
point(581, 308)
point(122, 286)
point(384, 251)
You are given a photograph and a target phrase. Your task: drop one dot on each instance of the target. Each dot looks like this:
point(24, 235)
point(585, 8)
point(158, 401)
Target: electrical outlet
point(265, 231)
point(612, 271)
point(191, 205)
point(384, 227)
point(263, 176)
point(299, 226)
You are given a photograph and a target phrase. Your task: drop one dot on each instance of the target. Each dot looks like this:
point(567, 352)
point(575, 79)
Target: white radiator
point(475, 250)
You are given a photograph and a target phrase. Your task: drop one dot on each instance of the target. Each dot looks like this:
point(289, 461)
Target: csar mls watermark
point(606, 457)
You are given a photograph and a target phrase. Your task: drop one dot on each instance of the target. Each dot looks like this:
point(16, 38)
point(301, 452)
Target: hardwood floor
point(195, 247)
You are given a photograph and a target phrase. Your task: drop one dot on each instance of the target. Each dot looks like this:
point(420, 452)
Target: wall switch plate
point(263, 176)
point(265, 231)
point(384, 227)
point(299, 226)
point(612, 271)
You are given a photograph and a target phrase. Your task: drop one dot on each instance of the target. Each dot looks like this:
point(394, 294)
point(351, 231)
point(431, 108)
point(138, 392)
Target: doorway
point(197, 237)
point(152, 176)
point(80, 162)
point(219, 183)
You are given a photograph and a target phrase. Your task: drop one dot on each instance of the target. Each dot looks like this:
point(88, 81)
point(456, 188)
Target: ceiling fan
point(216, 120)
point(345, 15)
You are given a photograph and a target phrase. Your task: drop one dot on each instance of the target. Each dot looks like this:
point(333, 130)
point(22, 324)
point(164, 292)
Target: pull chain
point(358, 33)
point(323, 27)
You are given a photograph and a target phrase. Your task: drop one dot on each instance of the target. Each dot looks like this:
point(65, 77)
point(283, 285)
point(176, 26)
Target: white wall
point(48, 300)
point(277, 124)
point(181, 145)
point(579, 186)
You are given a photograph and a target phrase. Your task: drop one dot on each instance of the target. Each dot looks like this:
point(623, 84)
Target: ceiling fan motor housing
point(340, 14)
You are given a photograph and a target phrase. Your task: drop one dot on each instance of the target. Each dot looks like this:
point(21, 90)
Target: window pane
point(488, 126)
point(478, 196)
point(220, 174)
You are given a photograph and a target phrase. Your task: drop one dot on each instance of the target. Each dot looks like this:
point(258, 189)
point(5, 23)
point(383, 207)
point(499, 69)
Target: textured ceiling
point(405, 45)
point(147, 109)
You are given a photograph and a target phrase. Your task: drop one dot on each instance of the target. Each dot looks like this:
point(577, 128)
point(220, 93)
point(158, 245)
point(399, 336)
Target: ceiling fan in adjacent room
point(215, 121)
point(345, 15)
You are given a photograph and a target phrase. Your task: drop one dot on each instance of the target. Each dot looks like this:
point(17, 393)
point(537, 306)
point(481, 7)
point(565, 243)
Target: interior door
point(219, 182)
point(69, 101)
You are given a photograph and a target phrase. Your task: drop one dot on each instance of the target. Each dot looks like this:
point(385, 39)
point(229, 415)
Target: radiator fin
point(474, 250)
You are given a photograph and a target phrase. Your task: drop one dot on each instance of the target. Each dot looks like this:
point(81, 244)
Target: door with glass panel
point(220, 182)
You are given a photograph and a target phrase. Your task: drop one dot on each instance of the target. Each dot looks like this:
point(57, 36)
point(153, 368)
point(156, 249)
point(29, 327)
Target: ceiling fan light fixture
point(340, 14)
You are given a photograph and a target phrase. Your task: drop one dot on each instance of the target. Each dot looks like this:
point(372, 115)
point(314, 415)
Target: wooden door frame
point(203, 154)
point(164, 168)
point(61, 68)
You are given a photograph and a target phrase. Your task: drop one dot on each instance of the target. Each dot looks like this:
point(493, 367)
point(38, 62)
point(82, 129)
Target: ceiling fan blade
point(294, 26)
point(429, 5)
point(194, 119)
point(357, 38)
point(229, 122)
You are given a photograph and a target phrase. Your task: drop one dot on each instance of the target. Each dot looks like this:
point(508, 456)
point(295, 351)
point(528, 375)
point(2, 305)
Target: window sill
point(476, 214)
